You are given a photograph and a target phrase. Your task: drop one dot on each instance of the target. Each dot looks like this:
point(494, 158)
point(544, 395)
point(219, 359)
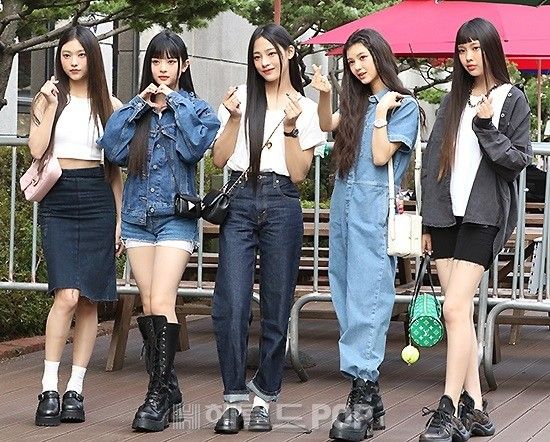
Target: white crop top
point(76, 133)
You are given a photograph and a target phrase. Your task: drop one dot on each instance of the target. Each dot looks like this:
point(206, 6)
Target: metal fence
point(536, 299)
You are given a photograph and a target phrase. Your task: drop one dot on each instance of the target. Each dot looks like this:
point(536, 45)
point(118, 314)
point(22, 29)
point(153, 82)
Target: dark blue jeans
point(268, 221)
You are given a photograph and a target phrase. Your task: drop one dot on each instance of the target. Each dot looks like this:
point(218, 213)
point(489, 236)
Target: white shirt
point(273, 159)
point(76, 133)
point(467, 152)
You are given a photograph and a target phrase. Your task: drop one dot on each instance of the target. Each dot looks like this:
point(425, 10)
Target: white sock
point(49, 378)
point(77, 379)
point(237, 405)
point(259, 402)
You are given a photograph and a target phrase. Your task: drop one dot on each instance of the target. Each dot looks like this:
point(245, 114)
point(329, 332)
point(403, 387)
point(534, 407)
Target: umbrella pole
point(539, 102)
point(277, 11)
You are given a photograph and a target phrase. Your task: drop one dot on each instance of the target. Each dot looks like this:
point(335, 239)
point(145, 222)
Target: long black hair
point(256, 101)
point(494, 67)
point(98, 92)
point(165, 44)
point(354, 98)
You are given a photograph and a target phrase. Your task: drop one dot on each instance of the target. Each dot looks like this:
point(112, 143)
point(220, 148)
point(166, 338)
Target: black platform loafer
point(231, 422)
point(48, 412)
point(259, 420)
point(72, 408)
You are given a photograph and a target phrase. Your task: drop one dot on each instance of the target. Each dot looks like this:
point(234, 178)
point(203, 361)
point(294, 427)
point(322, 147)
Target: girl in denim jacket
point(160, 135)
point(378, 120)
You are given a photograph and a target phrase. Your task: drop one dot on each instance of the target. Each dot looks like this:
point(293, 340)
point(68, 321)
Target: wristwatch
point(293, 133)
point(380, 123)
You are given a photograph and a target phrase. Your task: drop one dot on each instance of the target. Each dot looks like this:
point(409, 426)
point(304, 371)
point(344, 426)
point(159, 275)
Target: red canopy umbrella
point(518, 2)
point(422, 28)
point(532, 65)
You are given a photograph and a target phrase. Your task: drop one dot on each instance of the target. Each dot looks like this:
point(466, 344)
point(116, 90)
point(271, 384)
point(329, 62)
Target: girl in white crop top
point(269, 128)
point(80, 215)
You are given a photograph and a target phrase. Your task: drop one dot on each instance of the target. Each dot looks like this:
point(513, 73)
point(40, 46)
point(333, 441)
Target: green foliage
point(531, 90)
point(23, 313)
point(298, 16)
point(139, 14)
point(432, 95)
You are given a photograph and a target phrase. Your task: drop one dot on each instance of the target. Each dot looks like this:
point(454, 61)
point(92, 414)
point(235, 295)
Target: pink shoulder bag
point(36, 183)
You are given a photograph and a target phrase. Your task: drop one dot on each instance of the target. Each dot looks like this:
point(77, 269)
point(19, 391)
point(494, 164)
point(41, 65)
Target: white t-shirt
point(273, 159)
point(468, 153)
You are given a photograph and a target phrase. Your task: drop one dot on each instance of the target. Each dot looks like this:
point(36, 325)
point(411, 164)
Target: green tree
point(26, 25)
point(298, 16)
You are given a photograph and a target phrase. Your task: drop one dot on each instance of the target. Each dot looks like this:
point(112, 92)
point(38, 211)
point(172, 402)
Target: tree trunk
point(7, 38)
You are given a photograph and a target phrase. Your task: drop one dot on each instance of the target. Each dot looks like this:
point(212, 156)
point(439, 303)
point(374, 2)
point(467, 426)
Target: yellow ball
point(410, 354)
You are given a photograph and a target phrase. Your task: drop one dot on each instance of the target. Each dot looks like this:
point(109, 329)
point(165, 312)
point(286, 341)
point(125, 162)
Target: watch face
point(379, 122)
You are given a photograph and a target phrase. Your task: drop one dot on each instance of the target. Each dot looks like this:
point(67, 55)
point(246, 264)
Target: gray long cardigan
point(506, 151)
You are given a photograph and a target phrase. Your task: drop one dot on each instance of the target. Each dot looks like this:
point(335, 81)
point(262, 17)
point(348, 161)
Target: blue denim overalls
point(361, 274)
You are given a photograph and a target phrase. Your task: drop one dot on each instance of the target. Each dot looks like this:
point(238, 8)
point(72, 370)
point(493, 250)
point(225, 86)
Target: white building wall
point(8, 114)
point(217, 54)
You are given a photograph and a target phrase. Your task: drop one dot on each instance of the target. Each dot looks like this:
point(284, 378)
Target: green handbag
point(424, 314)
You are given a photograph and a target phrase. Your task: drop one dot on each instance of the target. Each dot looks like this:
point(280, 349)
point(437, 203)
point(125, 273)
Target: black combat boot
point(476, 421)
point(375, 400)
point(154, 413)
point(443, 425)
point(355, 422)
point(144, 324)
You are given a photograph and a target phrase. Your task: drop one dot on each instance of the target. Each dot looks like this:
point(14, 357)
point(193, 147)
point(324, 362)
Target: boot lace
point(356, 396)
point(439, 417)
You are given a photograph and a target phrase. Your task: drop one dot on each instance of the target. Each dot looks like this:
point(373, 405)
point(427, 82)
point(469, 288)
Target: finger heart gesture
point(292, 110)
point(232, 103)
point(484, 108)
point(50, 91)
point(319, 81)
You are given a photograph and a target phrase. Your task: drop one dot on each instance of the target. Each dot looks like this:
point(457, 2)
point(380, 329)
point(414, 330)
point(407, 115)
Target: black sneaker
point(476, 421)
point(355, 422)
point(443, 425)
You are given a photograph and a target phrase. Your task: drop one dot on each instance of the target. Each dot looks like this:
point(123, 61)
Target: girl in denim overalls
point(378, 119)
point(160, 135)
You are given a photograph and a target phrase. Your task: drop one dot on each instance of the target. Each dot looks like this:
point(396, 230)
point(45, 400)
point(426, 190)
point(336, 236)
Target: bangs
point(164, 47)
point(467, 33)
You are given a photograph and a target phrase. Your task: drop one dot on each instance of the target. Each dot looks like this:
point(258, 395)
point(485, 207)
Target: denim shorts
point(165, 230)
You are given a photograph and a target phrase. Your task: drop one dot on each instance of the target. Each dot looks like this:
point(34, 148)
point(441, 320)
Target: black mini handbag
point(215, 204)
point(187, 206)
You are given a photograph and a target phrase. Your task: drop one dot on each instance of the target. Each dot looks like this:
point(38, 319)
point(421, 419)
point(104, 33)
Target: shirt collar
point(376, 98)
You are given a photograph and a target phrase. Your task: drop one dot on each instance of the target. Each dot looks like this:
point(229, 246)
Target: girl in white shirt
point(269, 129)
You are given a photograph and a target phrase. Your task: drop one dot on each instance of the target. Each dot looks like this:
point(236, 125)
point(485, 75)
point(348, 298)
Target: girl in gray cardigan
point(477, 149)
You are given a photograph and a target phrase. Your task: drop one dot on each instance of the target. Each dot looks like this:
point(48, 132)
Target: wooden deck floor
point(305, 411)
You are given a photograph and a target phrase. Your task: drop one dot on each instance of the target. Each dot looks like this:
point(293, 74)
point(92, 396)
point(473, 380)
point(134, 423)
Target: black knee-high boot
point(144, 324)
point(154, 413)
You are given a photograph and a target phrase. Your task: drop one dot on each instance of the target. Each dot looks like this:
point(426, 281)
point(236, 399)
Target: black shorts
point(465, 241)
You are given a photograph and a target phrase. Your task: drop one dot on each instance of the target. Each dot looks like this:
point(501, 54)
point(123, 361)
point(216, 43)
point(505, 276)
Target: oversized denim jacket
point(177, 141)
point(505, 150)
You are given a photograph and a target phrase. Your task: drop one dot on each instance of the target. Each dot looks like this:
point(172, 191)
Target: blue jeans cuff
point(265, 396)
point(232, 398)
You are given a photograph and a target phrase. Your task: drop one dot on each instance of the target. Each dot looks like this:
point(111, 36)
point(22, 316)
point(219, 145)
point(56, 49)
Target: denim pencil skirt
point(77, 220)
